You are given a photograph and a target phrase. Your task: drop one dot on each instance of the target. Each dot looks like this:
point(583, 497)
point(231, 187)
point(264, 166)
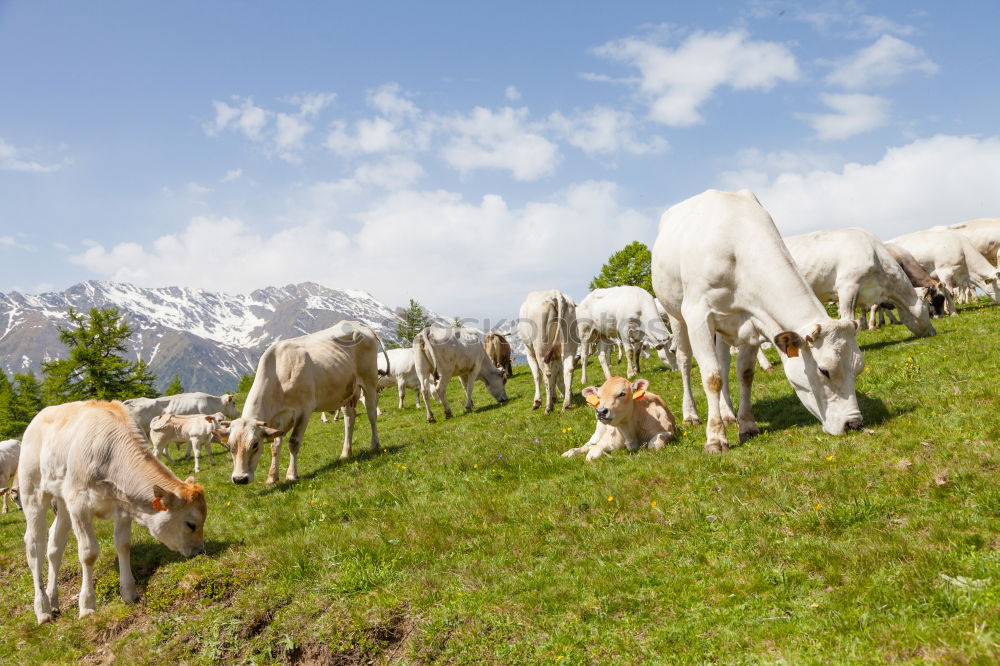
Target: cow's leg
point(765, 363)
point(689, 409)
point(631, 360)
point(468, 383)
point(58, 536)
point(272, 472)
point(35, 505)
point(123, 547)
point(847, 301)
point(584, 357)
point(536, 378)
point(567, 368)
point(602, 356)
point(724, 354)
point(746, 363)
point(350, 415)
point(195, 445)
point(295, 444)
point(425, 391)
point(659, 440)
point(88, 547)
point(322, 418)
point(442, 393)
point(872, 316)
point(211, 453)
point(371, 406)
point(948, 280)
point(401, 390)
point(703, 346)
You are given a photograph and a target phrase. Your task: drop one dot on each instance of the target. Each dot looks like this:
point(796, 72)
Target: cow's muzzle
point(856, 423)
point(603, 414)
point(241, 480)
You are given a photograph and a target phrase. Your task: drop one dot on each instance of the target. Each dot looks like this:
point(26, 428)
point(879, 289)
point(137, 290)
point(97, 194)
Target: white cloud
point(881, 63)
point(278, 132)
point(12, 242)
point(310, 104)
point(501, 139)
point(197, 188)
point(391, 101)
point(603, 130)
point(677, 82)
point(12, 159)
point(512, 94)
point(290, 131)
point(753, 168)
point(394, 173)
point(832, 18)
point(854, 114)
point(940, 180)
point(470, 257)
point(231, 175)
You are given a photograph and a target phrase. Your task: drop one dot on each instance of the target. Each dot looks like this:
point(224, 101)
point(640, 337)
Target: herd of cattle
point(723, 279)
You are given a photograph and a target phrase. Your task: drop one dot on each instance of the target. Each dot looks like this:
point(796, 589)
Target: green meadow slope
point(473, 541)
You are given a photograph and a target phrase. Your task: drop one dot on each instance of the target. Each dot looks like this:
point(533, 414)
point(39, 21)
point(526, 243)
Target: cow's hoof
point(431, 419)
point(447, 415)
point(548, 409)
point(716, 447)
point(291, 478)
point(44, 618)
point(537, 404)
point(347, 456)
point(692, 420)
point(86, 612)
point(270, 481)
point(130, 597)
point(566, 408)
point(749, 433)
point(729, 420)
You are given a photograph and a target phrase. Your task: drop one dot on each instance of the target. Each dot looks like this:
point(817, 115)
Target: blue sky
point(466, 153)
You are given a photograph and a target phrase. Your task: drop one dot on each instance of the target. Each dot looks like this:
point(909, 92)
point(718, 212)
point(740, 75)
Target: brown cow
point(627, 417)
point(498, 349)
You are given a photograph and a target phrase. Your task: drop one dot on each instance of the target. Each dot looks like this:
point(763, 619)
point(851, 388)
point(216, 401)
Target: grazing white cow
point(725, 278)
point(628, 416)
point(930, 289)
point(547, 326)
point(195, 430)
point(440, 353)
point(984, 234)
point(402, 373)
point(91, 460)
point(951, 258)
point(10, 451)
point(296, 377)
point(144, 410)
point(852, 267)
point(622, 313)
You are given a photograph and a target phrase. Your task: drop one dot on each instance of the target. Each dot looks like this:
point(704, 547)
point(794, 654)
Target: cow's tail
point(384, 352)
point(423, 346)
point(554, 324)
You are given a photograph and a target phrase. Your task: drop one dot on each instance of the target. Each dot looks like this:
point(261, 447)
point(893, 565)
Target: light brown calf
point(627, 417)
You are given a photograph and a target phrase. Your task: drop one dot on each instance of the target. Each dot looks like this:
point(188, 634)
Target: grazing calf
point(628, 416)
point(195, 430)
point(440, 353)
point(547, 326)
point(92, 461)
point(852, 267)
point(498, 349)
point(296, 377)
point(144, 410)
point(726, 279)
point(10, 451)
point(627, 314)
point(951, 258)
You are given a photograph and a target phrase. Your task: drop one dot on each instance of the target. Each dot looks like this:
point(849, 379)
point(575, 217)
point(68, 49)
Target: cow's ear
point(816, 330)
point(161, 499)
point(639, 387)
point(210, 419)
point(270, 433)
point(789, 343)
point(590, 393)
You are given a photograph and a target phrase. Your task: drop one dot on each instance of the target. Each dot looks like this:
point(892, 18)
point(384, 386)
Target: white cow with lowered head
point(623, 313)
point(725, 277)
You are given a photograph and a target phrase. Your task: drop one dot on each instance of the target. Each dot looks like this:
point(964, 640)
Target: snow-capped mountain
point(208, 339)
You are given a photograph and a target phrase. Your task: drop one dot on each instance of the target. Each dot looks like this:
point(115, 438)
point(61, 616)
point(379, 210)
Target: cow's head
point(496, 382)
point(614, 401)
point(991, 285)
point(178, 517)
point(245, 438)
point(822, 367)
point(917, 317)
point(13, 494)
point(934, 297)
point(229, 406)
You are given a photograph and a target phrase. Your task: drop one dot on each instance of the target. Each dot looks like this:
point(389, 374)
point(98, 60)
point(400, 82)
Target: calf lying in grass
point(627, 417)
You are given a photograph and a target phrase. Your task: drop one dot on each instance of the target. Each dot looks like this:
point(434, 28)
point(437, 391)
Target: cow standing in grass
point(195, 430)
point(10, 452)
point(547, 326)
point(296, 377)
point(92, 461)
point(144, 410)
point(440, 353)
point(725, 278)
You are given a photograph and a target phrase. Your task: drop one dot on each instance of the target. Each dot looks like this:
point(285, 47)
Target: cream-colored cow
point(628, 416)
point(93, 461)
point(10, 451)
point(195, 430)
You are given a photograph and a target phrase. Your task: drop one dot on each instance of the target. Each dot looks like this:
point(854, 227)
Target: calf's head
point(245, 439)
point(178, 518)
point(496, 382)
point(822, 367)
point(614, 401)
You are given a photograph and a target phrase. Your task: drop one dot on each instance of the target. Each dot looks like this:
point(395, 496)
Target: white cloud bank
point(471, 258)
point(940, 180)
point(501, 139)
point(677, 82)
point(882, 63)
point(854, 114)
point(13, 159)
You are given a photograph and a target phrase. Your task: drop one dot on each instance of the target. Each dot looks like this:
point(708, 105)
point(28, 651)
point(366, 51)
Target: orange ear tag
point(158, 504)
point(593, 400)
point(791, 351)
point(638, 394)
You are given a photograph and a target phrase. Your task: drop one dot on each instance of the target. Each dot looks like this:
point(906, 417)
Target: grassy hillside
point(472, 541)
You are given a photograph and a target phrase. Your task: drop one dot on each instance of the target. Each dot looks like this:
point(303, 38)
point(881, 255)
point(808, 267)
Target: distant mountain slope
point(206, 338)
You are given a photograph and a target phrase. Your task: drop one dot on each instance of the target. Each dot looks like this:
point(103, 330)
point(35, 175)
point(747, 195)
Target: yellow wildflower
point(653, 504)
point(819, 506)
point(611, 498)
point(829, 458)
